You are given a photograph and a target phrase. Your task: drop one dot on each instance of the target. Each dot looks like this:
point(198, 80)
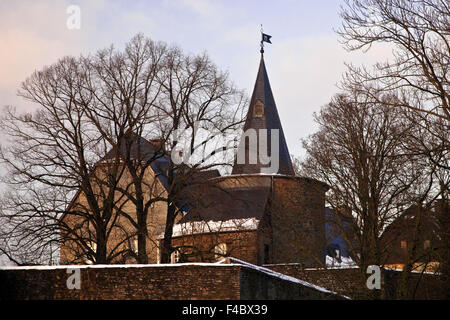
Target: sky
point(304, 61)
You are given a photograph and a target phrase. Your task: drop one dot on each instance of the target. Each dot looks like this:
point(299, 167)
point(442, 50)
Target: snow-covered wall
point(179, 281)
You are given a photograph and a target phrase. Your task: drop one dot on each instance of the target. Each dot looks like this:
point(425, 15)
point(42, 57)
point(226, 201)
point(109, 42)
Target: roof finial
point(262, 43)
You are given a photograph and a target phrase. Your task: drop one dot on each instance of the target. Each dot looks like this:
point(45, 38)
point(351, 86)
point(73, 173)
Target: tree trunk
point(142, 239)
point(167, 242)
point(100, 255)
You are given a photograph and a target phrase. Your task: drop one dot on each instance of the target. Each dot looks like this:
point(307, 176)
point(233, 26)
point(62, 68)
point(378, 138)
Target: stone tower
point(292, 229)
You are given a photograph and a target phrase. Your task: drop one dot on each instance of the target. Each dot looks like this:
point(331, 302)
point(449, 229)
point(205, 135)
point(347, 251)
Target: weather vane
point(264, 38)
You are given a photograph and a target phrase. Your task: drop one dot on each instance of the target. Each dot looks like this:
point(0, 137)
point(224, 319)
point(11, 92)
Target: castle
point(263, 234)
point(255, 216)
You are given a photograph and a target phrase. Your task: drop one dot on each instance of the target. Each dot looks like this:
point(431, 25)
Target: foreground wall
point(178, 281)
point(351, 281)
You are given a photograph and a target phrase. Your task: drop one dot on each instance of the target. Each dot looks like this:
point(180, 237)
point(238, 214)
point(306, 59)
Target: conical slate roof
point(263, 114)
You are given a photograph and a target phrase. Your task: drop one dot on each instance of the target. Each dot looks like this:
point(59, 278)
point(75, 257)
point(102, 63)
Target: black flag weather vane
point(264, 38)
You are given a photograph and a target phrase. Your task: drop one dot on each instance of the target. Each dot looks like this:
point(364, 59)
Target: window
point(134, 245)
point(158, 255)
point(258, 110)
point(220, 250)
point(175, 257)
point(403, 244)
point(338, 253)
point(426, 244)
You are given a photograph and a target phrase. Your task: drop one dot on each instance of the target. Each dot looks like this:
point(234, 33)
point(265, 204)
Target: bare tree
point(81, 163)
point(196, 97)
point(67, 158)
point(126, 97)
point(358, 151)
point(418, 33)
point(50, 158)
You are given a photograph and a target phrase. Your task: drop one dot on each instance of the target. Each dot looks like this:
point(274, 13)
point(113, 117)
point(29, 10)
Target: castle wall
point(71, 253)
point(298, 221)
point(159, 282)
point(293, 226)
point(200, 247)
point(351, 281)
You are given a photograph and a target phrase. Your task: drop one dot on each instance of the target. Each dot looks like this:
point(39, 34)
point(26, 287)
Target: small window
point(134, 246)
point(403, 244)
point(220, 250)
point(258, 109)
point(426, 244)
point(175, 257)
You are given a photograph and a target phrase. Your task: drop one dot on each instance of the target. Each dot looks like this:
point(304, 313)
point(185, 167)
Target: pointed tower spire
point(263, 114)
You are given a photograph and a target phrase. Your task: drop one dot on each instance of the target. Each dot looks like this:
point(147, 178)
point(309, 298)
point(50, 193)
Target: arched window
point(258, 109)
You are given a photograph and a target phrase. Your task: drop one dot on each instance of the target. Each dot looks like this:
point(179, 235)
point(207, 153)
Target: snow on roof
point(344, 262)
point(200, 227)
point(280, 275)
point(331, 263)
point(111, 266)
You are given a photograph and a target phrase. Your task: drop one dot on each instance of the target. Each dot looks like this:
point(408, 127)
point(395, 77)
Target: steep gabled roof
point(153, 152)
point(263, 114)
point(138, 147)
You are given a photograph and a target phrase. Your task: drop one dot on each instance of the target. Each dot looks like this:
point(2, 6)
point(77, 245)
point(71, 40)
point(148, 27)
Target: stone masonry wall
point(298, 221)
point(201, 247)
point(259, 286)
point(159, 282)
point(72, 253)
point(145, 282)
point(344, 281)
point(351, 282)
